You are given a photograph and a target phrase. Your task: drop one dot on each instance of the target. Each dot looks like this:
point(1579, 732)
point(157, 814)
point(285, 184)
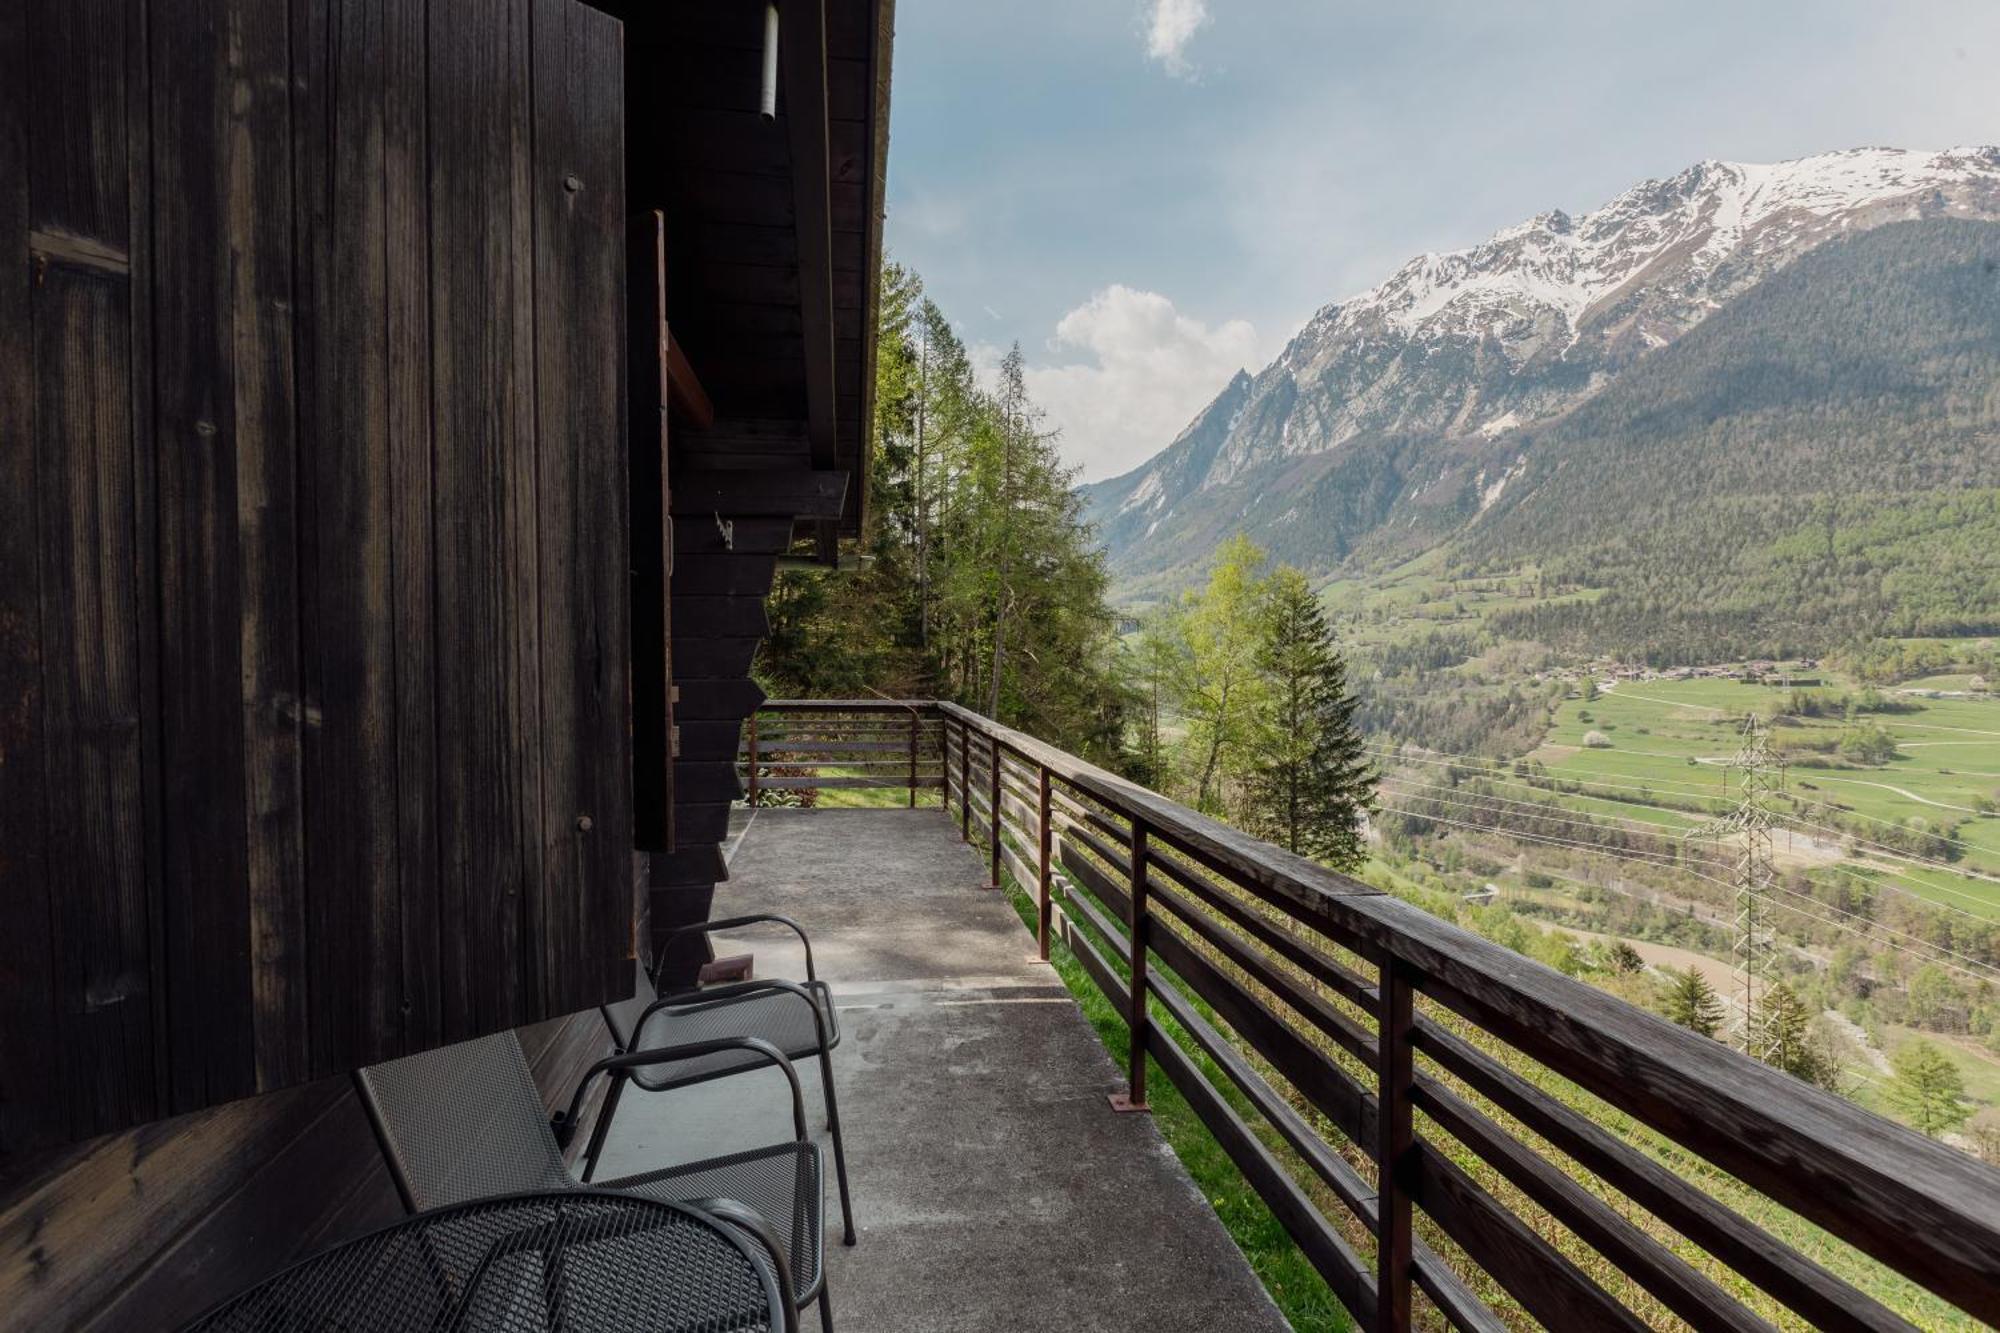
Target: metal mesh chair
point(577, 1261)
point(798, 1019)
point(464, 1122)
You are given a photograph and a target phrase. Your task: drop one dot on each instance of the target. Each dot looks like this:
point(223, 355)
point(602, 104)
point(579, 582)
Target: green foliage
point(1927, 1089)
point(1625, 959)
point(1871, 744)
point(1812, 466)
point(1221, 693)
point(983, 584)
point(1691, 1002)
point(1312, 784)
point(1785, 1025)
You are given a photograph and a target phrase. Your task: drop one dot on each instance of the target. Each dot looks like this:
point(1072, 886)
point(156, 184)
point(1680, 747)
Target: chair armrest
point(754, 918)
point(563, 1124)
point(694, 1002)
point(745, 1218)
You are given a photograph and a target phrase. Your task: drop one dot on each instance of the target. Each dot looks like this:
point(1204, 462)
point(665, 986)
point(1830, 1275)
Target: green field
point(1670, 743)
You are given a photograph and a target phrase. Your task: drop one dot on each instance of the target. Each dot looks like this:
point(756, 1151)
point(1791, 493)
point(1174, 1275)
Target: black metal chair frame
point(558, 1131)
point(814, 994)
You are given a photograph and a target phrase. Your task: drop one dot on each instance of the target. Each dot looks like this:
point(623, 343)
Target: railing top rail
point(847, 706)
point(1922, 1207)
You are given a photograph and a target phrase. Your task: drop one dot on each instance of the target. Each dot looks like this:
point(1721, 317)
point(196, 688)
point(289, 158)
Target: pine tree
point(1691, 1002)
point(1312, 784)
point(1927, 1089)
point(1625, 959)
point(1785, 1025)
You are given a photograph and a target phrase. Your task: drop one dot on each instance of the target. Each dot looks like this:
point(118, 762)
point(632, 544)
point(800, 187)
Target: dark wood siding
point(144, 1229)
point(314, 729)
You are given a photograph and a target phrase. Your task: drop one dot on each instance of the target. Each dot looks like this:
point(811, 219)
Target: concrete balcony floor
point(994, 1188)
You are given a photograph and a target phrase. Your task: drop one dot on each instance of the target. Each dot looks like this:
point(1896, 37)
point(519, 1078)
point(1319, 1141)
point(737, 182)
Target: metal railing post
point(964, 781)
point(753, 759)
point(1042, 875)
point(1137, 1017)
point(993, 796)
point(1395, 1147)
point(913, 759)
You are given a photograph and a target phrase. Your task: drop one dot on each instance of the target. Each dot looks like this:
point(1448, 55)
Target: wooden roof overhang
point(773, 233)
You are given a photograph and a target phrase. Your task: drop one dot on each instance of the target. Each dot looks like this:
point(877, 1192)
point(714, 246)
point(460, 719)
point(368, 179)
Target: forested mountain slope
point(1760, 406)
point(1817, 461)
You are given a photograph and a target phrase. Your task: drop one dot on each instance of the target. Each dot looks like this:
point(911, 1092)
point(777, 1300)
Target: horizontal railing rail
point(792, 749)
point(1405, 1068)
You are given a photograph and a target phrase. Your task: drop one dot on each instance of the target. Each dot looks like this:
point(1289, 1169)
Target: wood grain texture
point(580, 919)
point(228, 664)
point(654, 537)
point(343, 160)
point(90, 497)
point(28, 1017)
point(484, 474)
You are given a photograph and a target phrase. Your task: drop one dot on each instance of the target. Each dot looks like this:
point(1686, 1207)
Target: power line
point(1686, 868)
point(1590, 819)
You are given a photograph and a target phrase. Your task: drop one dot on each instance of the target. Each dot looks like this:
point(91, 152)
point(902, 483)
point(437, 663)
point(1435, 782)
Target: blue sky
point(1148, 194)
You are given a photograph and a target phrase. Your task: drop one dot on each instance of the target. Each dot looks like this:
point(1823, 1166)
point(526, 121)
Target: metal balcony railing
point(1424, 1046)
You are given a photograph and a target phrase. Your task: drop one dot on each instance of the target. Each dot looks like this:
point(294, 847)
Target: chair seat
point(778, 1017)
point(781, 1184)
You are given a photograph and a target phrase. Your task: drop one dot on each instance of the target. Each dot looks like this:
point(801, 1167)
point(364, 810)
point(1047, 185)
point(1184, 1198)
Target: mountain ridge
point(1455, 353)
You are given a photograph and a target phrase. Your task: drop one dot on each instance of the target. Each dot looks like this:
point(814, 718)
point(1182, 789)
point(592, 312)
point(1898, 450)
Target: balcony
point(1556, 1156)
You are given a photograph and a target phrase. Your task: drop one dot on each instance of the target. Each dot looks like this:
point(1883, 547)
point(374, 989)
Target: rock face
point(1432, 374)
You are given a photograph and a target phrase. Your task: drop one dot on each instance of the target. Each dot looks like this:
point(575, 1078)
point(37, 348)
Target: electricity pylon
point(1761, 776)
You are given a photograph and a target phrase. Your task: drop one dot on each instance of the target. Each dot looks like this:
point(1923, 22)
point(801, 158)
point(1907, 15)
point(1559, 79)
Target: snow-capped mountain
point(1478, 344)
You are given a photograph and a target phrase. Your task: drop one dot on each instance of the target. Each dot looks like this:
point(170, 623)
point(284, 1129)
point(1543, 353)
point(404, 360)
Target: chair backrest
point(463, 1122)
point(621, 1017)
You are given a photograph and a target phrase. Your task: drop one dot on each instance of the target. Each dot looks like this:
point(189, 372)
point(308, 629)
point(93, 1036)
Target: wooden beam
point(802, 55)
point(750, 493)
point(684, 386)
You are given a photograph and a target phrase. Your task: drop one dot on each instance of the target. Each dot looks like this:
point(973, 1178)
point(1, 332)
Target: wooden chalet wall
point(145, 1229)
point(773, 243)
point(313, 603)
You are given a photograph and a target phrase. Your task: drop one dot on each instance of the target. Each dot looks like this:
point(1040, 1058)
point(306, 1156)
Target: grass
point(1299, 1292)
point(1667, 738)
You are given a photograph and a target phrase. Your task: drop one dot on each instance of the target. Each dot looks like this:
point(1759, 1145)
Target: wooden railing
point(794, 747)
point(1413, 1050)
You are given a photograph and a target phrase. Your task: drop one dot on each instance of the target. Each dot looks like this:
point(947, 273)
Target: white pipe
point(767, 97)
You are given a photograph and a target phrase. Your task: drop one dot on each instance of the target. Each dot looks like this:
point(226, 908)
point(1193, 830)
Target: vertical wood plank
point(1396, 1155)
point(230, 690)
point(343, 65)
point(484, 478)
point(652, 557)
point(88, 522)
point(413, 565)
point(578, 191)
point(255, 93)
point(28, 1037)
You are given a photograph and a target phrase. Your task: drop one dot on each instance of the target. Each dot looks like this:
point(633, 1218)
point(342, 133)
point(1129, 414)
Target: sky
point(1150, 194)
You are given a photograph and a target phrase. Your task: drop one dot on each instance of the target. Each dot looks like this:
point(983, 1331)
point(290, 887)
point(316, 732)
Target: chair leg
point(825, 1308)
point(839, 1147)
point(602, 1128)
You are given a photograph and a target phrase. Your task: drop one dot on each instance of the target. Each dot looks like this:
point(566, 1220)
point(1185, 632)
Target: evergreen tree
point(1691, 1002)
point(1625, 959)
point(1927, 1089)
point(984, 584)
point(1312, 784)
point(1785, 1025)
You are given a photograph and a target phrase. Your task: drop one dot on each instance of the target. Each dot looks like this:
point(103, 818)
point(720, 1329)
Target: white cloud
point(1129, 372)
point(1170, 26)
